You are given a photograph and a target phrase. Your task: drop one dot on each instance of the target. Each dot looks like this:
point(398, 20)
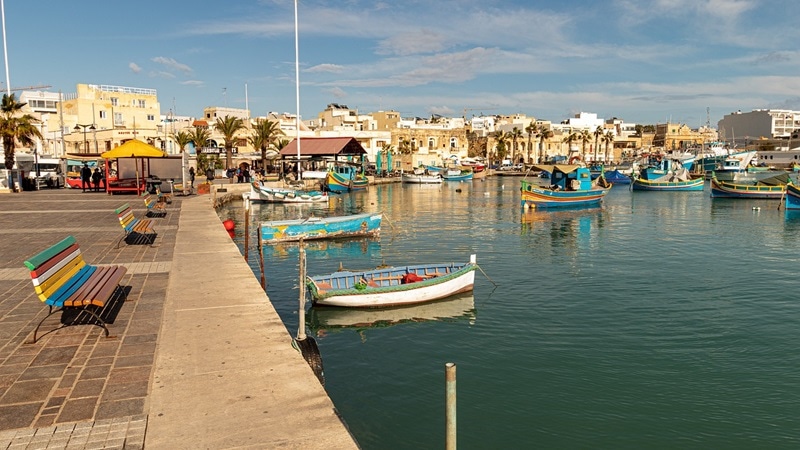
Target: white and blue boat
point(356, 225)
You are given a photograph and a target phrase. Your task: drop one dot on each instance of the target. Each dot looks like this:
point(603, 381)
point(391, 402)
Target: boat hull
point(544, 198)
point(461, 177)
point(337, 183)
point(321, 228)
point(259, 193)
point(792, 197)
point(696, 184)
point(383, 287)
point(725, 189)
point(421, 179)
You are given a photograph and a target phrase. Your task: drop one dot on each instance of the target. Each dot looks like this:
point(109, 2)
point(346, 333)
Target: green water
point(661, 320)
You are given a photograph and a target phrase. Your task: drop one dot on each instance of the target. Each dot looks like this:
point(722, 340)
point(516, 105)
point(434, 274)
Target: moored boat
point(770, 188)
point(457, 174)
point(261, 193)
point(421, 176)
point(368, 224)
point(570, 186)
point(392, 286)
point(616, 177)
point(792, 197)
point(345, 178)
point(696, 184)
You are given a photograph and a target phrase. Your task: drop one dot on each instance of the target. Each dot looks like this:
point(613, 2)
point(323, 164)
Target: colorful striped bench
point(63, 280)
point(154, 208)
point(137, 231)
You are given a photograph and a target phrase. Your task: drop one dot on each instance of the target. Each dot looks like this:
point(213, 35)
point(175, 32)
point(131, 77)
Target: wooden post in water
point(261, 260)
point(301, 310)
point(450, 413)
point(246, 226)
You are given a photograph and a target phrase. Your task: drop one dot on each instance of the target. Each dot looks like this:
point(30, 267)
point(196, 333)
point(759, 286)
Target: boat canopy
point(566, 168)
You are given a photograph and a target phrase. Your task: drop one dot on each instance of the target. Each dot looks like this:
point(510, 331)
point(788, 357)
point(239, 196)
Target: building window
point(151, 117)
point(102, 114)
point(142, 104)
point(431, 142)
point(118, 120)
point(114, 101)
point(453, 142)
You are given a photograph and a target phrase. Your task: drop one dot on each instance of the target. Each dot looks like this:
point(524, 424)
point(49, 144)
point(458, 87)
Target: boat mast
point(297, 87)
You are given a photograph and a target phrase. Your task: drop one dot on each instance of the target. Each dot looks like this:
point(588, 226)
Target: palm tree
point(608, 138)
point(514, 134)
point(531, 130)
point(585, 137)
point(229, 126)
point(597, 133)
point(569, 139)
point(199, 136)
point(182, 138)
point(544, 134)
point(16, 128)
point(264, 135)
point(500, 146)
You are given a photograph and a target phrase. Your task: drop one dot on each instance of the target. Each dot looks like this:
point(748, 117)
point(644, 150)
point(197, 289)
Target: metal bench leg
point(49, 313)
point(100, 322)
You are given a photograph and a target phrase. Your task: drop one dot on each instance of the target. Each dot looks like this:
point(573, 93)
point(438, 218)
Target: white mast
point(297, 86)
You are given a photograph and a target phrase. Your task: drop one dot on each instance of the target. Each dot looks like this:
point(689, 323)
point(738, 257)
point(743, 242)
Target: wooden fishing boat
point(570, 186)
point(616, 177)
point(773, 187)
point(392, 286)
point(368, 224)
point(345, 178)
point(792, 197)
point(261, 193)
point(421, 176)
point(457, 174)
point(696, 184)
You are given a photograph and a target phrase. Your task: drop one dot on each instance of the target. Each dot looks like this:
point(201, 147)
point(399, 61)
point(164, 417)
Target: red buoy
point(228, 224)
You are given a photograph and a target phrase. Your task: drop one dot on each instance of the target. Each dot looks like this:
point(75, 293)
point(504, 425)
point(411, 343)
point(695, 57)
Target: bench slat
point(70, 286)
point(42, 269)
point(42, 257)
point(97, 289)
point(46, 286)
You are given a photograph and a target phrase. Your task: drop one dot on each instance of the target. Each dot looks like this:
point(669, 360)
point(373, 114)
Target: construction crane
point(28, 88)
point(464, 111)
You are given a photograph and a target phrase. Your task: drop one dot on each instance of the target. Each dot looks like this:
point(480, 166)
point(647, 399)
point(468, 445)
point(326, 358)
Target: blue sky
point(644, 61)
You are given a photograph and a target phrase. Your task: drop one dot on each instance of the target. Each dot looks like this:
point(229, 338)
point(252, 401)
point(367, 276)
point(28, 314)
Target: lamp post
point(89, 126)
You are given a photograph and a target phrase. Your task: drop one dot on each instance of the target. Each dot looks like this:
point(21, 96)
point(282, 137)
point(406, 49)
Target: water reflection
point(322, 320)
point(341, 249)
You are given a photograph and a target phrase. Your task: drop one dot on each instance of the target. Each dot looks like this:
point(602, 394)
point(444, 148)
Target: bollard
point(261, 260)
point(450, 414)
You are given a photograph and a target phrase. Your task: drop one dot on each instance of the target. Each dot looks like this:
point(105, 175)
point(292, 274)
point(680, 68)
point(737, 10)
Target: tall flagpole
point(297, 87)
point(5, 47)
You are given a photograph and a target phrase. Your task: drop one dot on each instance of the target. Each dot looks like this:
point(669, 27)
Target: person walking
point(191, 177)
point(86, 177)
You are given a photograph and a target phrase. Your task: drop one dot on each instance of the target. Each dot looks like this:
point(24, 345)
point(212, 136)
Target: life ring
point(574, 158)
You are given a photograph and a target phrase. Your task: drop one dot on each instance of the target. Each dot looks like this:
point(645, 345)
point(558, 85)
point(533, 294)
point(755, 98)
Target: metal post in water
point(246, 226)
point(450, 413)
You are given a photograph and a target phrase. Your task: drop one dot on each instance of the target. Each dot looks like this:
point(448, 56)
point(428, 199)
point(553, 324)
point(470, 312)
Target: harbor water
point(659, 320)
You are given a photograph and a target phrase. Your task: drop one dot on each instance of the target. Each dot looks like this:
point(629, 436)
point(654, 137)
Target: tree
point(531, 130)
point(569, 139)
point(544, 134)
point(514, 134)
point(16, 128)
point(182, 138)
point(199, 136)
point(500, 138)
point(585, 137)
point(608, 138)
point(597, 133)
point(264, 134)
point(229, 126)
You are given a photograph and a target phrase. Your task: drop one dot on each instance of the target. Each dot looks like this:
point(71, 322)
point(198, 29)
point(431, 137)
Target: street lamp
point(89, 126)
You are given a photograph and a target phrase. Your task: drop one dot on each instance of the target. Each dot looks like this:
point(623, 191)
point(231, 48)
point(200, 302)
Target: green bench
point(63, 281)
point(137, 231)
point(155, 208)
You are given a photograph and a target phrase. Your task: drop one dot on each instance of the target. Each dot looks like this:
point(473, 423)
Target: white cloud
point(134, 67)
point(172, 64)
point(336, 92)
point(196, 83)
point(330, 68)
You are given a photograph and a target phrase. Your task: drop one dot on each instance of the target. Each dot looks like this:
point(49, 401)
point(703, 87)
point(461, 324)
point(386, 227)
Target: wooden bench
point(63, 280)
point(154, 208)
point(137, 231)
point(162, 197)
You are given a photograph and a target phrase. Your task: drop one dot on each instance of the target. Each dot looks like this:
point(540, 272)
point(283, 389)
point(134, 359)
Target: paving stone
point(18, 416)
point(79, 409)
point(28, 391)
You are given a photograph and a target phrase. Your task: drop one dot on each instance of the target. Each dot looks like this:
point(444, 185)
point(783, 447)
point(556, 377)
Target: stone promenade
point(198, 357)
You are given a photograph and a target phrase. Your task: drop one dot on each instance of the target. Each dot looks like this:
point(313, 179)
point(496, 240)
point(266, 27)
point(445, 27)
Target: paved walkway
point(189, 365)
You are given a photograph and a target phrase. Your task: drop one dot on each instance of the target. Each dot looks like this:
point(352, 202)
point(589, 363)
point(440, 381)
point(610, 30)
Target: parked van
point(40, 171)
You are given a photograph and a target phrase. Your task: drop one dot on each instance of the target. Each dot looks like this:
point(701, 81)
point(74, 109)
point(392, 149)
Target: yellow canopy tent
point(134, 149)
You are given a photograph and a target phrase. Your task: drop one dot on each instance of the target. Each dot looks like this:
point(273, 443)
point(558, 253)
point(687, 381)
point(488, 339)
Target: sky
point(642, 61)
